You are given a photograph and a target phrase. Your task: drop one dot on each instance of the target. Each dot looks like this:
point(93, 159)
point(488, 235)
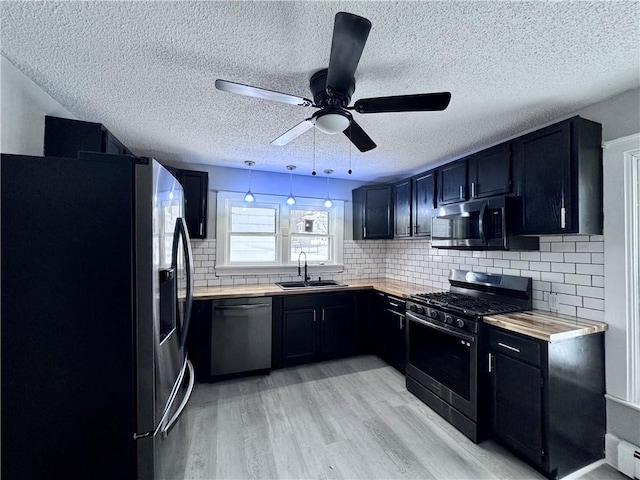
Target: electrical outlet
point(553, 302)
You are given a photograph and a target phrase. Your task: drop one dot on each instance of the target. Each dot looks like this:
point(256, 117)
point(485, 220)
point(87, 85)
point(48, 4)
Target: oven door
point(445, 362)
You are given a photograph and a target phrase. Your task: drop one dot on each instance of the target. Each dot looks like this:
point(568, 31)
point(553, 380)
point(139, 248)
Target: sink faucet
point(306, 274)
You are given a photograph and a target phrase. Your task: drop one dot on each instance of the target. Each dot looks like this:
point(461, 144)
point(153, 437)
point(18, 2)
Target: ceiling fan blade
point(263, 93)
point(294, 132)
point(350, 34)
point(422, 102)
point(358, 137)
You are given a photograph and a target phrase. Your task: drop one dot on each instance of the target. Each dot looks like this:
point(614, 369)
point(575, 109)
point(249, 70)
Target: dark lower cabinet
point(516, 413)
point(546, 399)
point(313, 327)
point(390, 326)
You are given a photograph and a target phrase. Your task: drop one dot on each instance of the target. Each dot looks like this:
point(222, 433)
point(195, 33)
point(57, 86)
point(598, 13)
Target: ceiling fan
point(333, 87)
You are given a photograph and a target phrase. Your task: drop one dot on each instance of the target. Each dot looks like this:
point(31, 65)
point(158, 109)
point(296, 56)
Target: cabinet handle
point(473, 189)
point(461, 192)
point(394, 304)
point(415, 229)
point(490, 359)
point(401, 322)
point(509, 347)
point(365, 232)
point(563, 217)
point(323, 314)
point(201, 228)
point(314, 316)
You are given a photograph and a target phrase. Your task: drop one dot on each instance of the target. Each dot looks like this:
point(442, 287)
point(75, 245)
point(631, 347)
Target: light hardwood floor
point(344, 419)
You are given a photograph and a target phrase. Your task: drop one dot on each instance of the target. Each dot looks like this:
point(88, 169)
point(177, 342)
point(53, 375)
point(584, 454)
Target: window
point(268, 237)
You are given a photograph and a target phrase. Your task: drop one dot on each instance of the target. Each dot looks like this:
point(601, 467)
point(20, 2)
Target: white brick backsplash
point(552, 257)
point(590, 247)
point(593, 292)
point(563, 288)
point(577, 257)
point(570, 265)
point(563, 247)
point(577, 279)
point(563, 267)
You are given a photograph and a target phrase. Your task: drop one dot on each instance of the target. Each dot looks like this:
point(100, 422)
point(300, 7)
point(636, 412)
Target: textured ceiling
point(147, 69)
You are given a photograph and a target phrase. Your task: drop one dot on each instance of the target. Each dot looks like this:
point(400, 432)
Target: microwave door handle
point(481, 224)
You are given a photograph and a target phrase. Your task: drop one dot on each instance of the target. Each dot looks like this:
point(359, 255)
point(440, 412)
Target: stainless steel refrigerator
point(96, 297)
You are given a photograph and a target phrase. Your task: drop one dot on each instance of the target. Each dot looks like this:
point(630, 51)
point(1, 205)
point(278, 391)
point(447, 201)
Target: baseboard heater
point(623, 456)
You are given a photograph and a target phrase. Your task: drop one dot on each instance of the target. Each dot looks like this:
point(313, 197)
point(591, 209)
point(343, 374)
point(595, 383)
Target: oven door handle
point(462, 336)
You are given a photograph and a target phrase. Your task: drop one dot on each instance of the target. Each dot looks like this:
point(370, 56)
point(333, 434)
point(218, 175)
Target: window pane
point(253, 219)
point(309, 221)
point(254, 248)
point(315, 247)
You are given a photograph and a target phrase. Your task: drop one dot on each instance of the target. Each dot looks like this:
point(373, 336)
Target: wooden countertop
point(392, 287)
point(548, 326)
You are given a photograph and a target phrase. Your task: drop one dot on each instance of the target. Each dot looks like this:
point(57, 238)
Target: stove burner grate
point(466, 303)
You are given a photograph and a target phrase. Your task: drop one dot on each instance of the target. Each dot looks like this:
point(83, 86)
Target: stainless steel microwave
point(480, 225)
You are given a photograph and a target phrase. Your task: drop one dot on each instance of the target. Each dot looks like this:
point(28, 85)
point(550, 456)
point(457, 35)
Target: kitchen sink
point(310, 284)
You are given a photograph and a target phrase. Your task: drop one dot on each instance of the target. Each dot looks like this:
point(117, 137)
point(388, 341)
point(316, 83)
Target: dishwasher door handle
point(249, 306)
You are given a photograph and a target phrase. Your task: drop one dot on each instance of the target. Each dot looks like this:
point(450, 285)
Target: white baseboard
point(579, 473)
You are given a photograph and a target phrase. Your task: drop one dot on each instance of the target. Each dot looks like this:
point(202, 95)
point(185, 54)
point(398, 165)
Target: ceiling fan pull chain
point(314, 152)
point(350, 142)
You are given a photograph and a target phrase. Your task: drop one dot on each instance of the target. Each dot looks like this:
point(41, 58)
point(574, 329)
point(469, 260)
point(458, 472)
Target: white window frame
point(622, 270)
point(284, 265)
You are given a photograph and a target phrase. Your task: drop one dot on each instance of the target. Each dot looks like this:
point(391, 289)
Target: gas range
point(443, 337)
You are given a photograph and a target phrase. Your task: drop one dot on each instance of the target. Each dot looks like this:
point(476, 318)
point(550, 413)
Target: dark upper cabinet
point(196, 190)
point(312, 327)
point(372, 212)
point(490, 172)
point(558, 175)
point(545, 400)
point(64, 137)
point(424, 197)
point(452, 182)
point(402, 209)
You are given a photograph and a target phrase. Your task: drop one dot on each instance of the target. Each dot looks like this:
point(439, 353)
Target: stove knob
point(459, 323)
point(413, 307)
point(420, 311)
point(433, 314)
point(448, 319)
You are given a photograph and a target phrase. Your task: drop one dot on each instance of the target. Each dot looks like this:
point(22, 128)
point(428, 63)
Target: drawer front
point(514, 346)
point(396, 304)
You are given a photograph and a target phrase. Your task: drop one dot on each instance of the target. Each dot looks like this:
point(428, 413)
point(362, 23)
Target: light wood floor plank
point(345, 419)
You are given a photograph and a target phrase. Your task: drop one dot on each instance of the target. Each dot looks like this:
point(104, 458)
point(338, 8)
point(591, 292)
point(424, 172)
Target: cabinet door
point(337, 332)
point(402, 209)
point(378, 215)
point(516, 405)
point(452, 182)
point(490, 172)
point(542, 160)
point(397, 345)
point(196, 186)
point(299, 337)
point(423, 203)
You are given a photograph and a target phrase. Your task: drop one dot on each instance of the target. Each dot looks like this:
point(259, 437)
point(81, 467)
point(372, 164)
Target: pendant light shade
point(291, 199)
point(327, 201)
point(249, 197)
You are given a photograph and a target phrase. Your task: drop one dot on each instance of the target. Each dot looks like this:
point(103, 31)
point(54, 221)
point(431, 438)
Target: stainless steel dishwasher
point(240, 335)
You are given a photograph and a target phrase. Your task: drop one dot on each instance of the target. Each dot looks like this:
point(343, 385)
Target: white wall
point(23, 108)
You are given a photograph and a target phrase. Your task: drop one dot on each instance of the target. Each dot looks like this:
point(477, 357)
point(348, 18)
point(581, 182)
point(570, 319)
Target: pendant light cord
point(314, 152)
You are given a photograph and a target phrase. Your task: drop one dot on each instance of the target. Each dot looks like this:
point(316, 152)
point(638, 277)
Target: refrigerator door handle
point(183, 235)
point(170, 424)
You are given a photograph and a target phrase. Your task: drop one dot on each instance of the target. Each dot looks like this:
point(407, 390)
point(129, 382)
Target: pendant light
point(248, 197)
point(290, 199)
point(327, 201)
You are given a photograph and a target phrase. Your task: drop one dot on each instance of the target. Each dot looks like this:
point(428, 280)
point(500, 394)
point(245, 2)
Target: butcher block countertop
point(548, 326)
point(392, 287)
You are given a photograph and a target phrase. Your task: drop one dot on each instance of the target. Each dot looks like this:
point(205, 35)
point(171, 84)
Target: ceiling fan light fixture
point(327, 201)
point(332, 122)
